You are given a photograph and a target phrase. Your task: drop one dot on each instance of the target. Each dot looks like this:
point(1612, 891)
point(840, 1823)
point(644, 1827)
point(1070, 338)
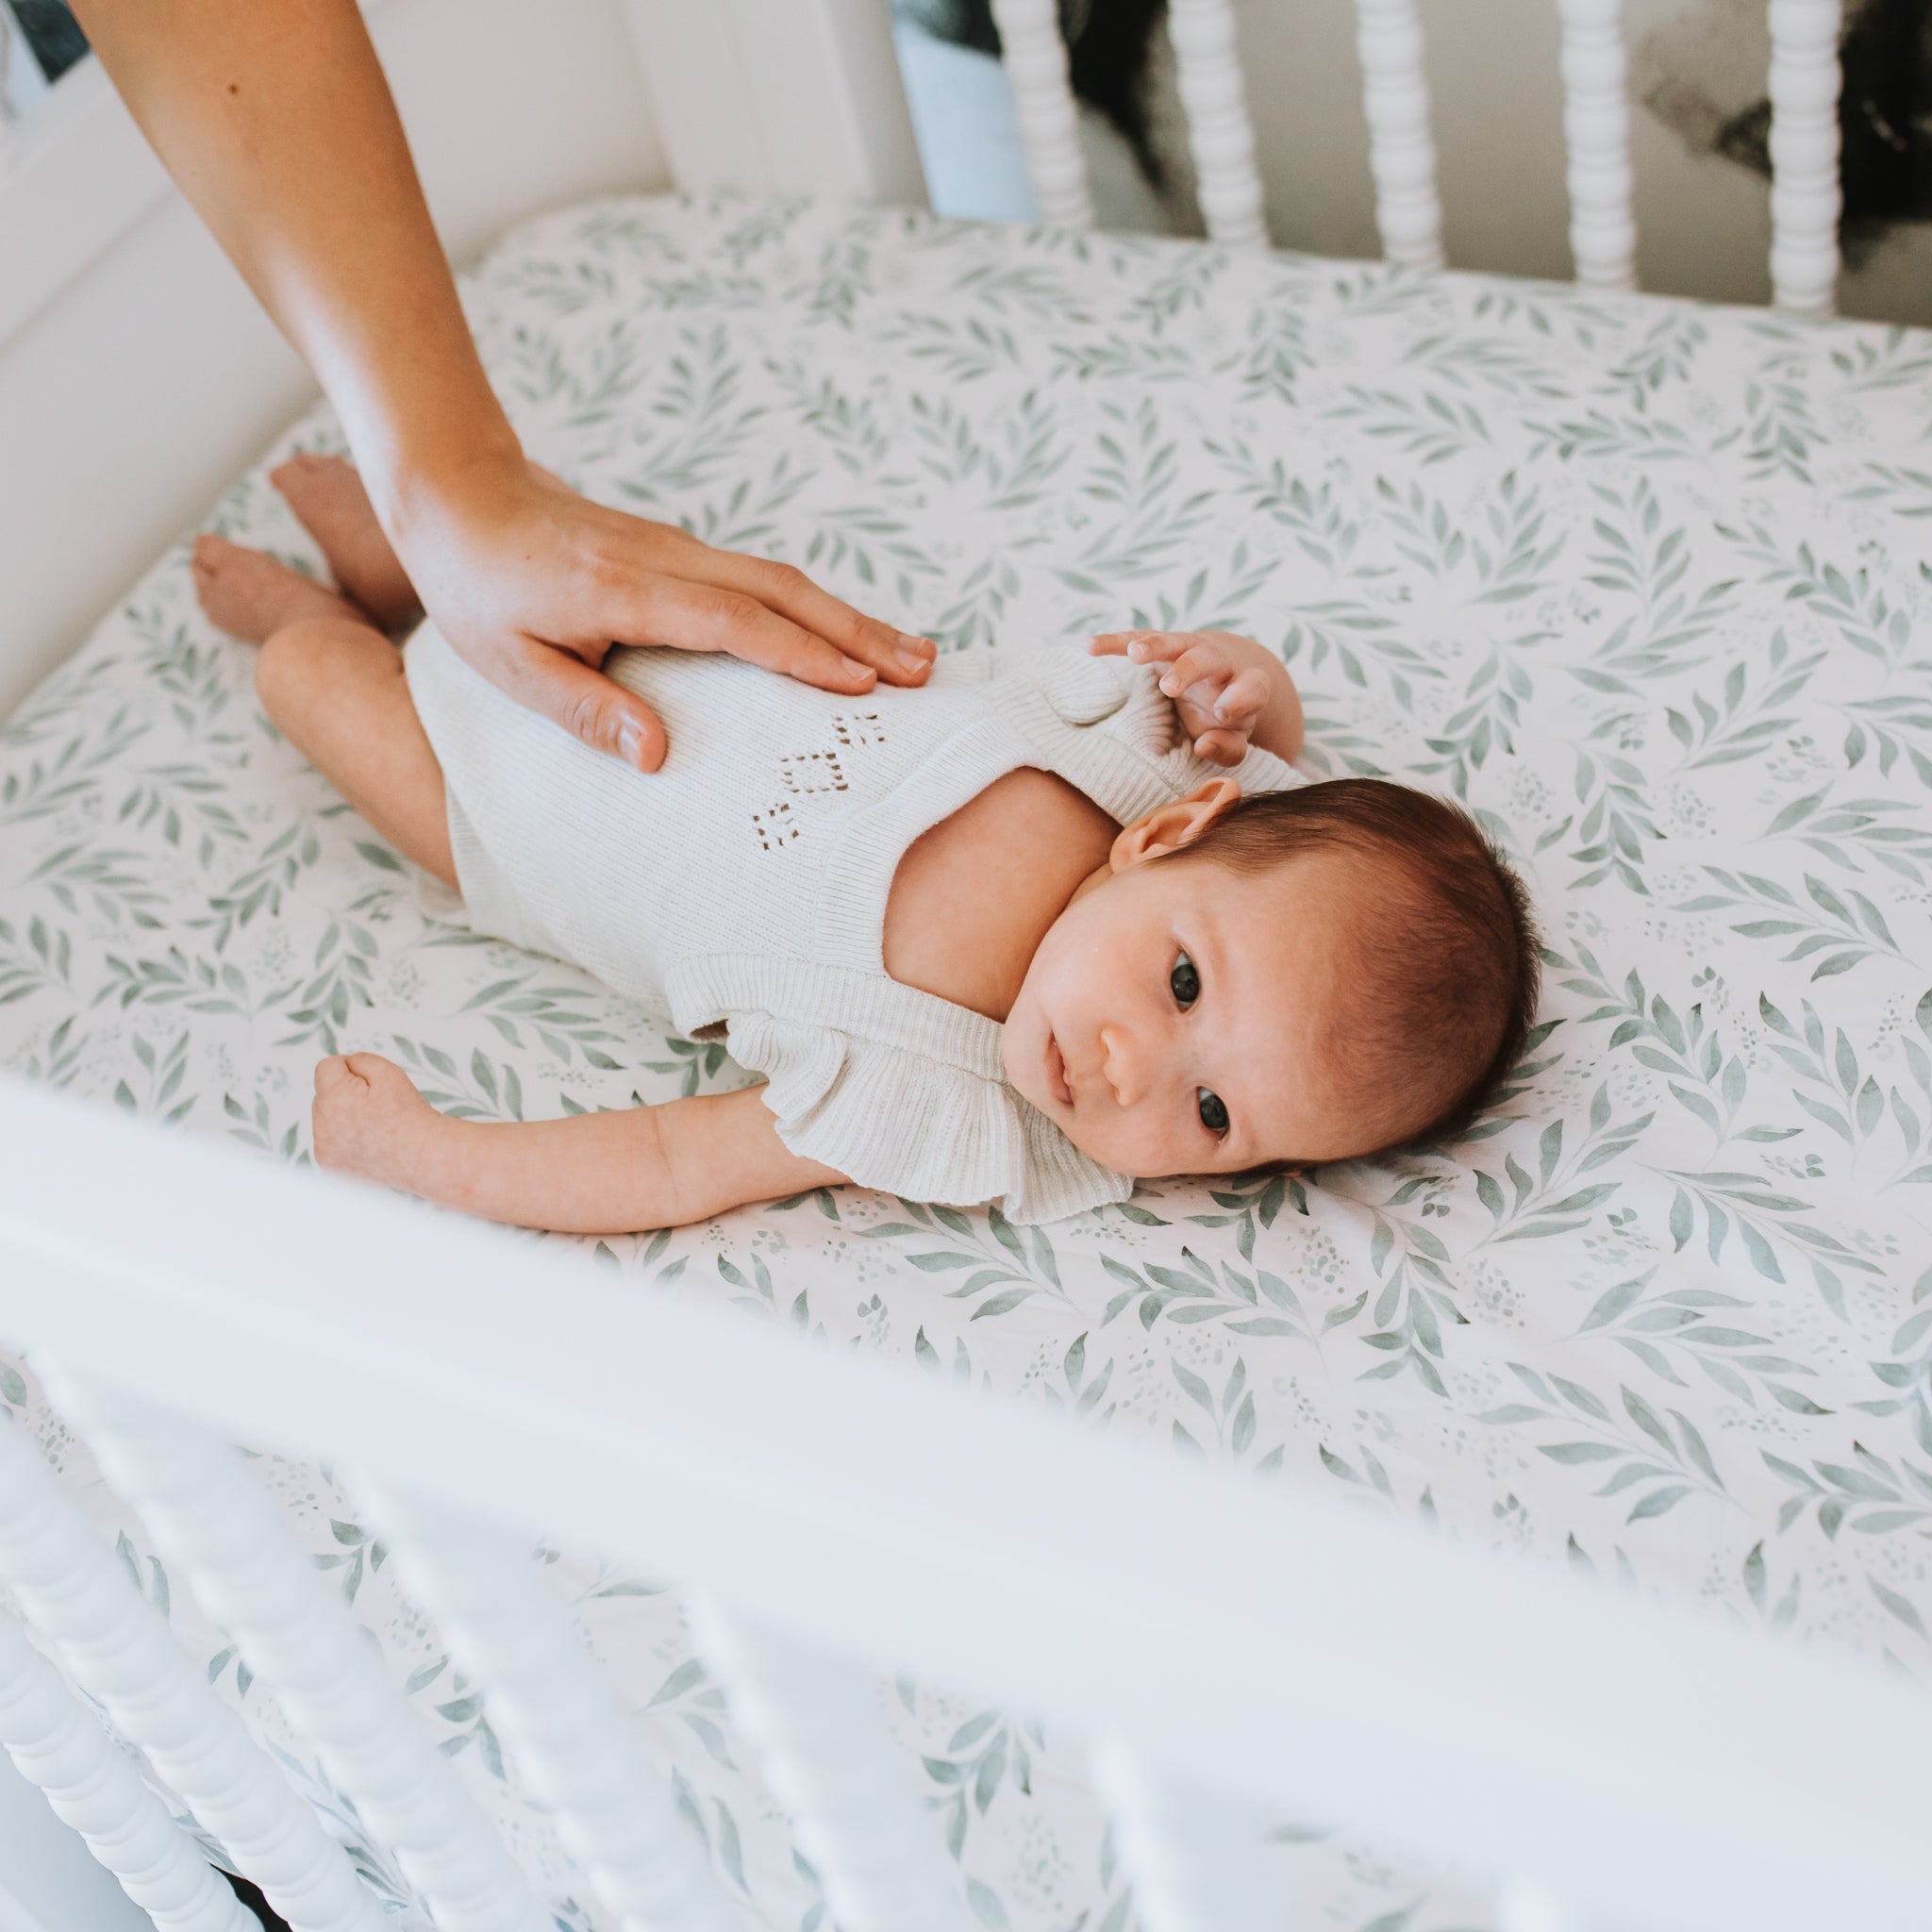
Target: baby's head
point(1308, 975)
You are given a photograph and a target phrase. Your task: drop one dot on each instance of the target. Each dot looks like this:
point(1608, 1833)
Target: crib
point(1236, 1664)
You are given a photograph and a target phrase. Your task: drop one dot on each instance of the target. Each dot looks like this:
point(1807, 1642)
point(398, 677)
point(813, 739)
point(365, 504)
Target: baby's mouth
point(1057, 1073)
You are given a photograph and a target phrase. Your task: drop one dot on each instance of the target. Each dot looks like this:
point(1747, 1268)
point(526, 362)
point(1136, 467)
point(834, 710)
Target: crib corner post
point(785, 96)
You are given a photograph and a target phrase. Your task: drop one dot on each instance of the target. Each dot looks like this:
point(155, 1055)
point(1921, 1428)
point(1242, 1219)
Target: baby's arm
point(1230, 691)
point(590, 1173)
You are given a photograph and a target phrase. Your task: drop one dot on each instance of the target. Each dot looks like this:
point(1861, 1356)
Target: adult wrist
point(415, 480)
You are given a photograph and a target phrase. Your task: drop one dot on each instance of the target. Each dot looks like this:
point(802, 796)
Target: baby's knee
point(304, 663)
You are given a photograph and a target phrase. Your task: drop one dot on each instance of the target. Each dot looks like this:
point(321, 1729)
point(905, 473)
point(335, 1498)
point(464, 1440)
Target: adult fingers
point(693, 615)
point(586, 704)
point(898, 657)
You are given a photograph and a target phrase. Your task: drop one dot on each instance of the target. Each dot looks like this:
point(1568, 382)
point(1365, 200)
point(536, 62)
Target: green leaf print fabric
point(1647, 584)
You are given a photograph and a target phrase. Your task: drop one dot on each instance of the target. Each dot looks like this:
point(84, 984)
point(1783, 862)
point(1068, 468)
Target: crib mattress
point(1648, 585)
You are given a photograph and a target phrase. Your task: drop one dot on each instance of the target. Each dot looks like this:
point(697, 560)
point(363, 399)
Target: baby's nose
point(1124, 1066)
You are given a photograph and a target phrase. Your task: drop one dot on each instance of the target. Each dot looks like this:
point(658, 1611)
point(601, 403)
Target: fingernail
point(630, 746)
point(911, 659)
point(856, 669)
point(925, 647)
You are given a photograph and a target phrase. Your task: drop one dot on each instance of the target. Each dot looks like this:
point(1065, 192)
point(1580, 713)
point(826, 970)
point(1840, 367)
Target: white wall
point(131, 397)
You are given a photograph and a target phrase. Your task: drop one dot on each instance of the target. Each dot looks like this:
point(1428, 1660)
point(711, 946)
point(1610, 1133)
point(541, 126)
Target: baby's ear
point(1167, 827)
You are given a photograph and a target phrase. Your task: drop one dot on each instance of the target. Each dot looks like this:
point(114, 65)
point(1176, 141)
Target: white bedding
point(1647, 584)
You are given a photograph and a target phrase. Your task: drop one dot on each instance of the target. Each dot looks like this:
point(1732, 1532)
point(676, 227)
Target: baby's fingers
point(1244, 697)
point(1221, 747)
point(1200, 674)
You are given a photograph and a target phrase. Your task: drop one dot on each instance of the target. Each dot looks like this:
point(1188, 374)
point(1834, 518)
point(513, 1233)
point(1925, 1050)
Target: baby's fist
point(368, 1118)
point(1217, 688)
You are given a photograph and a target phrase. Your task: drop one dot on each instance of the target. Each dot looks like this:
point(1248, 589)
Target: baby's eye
point(1184, 982)
point(1213, 1110)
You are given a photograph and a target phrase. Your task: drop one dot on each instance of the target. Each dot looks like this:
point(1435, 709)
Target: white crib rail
point(614, 1811)
point(95, 1788)
point(1805, 83)
point(1673, 1772)
point(1036, 62)
point(116, 1647)
point(220, 1530)
point(1219, 134)
point(1596, 129)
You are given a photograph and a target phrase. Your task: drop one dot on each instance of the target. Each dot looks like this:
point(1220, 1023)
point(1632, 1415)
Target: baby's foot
point(331, 505)
point(252, 596)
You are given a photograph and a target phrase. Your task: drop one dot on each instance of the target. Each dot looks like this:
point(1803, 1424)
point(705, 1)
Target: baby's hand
point(368, 1120)
point(1217, 691)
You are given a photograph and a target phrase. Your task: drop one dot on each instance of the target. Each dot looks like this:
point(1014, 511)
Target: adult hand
point(533, 585)
point(275, 120)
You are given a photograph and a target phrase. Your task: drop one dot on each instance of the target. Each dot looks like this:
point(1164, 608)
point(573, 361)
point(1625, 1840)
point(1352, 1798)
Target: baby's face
point(1178, 1017)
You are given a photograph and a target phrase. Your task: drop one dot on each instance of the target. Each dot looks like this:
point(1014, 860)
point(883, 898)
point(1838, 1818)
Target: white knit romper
point(744, 883)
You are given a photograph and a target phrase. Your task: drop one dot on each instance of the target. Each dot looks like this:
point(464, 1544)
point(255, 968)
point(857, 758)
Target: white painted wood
point(1805, 199)
point(1107, 1587)
point(1402, 151)
point(551, 1706)
point(1596, 130)
point(94, 1787)
point(116, 1646)
point(1036, 63)
point(814, 1721)
point(1524, 1905)
point(793, 96)
point(49, 1880)
point(1220, 136)
point(136, 374)
point(1195, 1856)
point(219, 1531)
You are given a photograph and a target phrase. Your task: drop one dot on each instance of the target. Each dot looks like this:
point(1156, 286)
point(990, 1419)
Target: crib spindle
point(1219, 135)
point(1036, 63)
point(1805, 200)
point(1596, 130)
point(613, 1809)
point(1402, 152)
point(94, 1787)
point(219, 1531)
point(826, 1753)
point(1195, 1857)
point(116, 1646)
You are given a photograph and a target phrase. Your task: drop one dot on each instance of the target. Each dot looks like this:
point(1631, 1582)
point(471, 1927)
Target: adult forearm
point(275, 120)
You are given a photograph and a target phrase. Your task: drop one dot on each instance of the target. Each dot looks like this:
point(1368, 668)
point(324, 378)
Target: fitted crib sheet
point(1648, 585)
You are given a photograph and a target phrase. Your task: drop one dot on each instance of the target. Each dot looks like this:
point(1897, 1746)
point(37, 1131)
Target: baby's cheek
point(1134, 1142)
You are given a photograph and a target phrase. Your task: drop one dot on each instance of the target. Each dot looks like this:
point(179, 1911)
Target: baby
point(1020, 939)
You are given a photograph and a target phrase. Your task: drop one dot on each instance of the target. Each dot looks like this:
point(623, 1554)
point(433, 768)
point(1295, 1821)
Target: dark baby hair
point(1451, 959)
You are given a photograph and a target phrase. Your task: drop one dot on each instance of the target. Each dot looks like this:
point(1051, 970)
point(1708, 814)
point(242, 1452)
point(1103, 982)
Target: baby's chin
point(1023, 1053)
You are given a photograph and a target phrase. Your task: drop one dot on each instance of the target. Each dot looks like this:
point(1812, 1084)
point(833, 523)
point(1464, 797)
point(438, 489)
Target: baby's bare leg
point(336, 691)
point(334, 686)
point(330, 504)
